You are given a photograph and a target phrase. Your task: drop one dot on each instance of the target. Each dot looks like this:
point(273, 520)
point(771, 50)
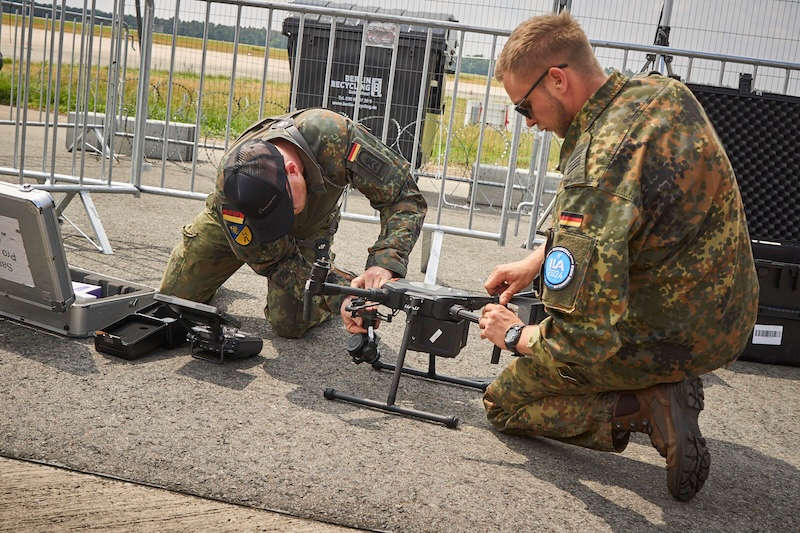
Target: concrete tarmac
point(36, 497)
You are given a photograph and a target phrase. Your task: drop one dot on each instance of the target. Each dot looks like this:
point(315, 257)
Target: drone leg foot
point(448, 421)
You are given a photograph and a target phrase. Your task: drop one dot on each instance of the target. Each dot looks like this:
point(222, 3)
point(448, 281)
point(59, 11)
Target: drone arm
point(373, 295)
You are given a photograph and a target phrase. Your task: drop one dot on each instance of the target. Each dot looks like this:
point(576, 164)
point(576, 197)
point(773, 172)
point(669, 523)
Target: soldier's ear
point(292, 168)
point(559, 79)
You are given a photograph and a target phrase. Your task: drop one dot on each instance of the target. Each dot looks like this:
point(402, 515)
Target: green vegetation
point(185, 88)
point(216, 32)
point(182, 41)
point(496, 146)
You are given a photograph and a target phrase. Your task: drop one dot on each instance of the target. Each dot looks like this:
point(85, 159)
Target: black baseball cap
point(255, 184)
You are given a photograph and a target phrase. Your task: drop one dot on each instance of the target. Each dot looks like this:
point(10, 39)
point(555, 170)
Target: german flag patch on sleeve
point(570, 220)
point(364, 158)
point(354, 149)
point(236, 217)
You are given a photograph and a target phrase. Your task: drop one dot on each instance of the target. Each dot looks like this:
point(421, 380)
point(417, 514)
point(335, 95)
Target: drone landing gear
point(432, 375)
point(412, 310)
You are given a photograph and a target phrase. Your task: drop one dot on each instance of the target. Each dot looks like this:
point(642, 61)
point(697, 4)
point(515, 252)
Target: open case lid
point(33, 265)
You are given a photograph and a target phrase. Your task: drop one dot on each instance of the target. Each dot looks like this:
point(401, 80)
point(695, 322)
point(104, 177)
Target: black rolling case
point(761, 134)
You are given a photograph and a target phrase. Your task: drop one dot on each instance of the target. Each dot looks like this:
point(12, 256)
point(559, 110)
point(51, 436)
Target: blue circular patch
point(559, 266)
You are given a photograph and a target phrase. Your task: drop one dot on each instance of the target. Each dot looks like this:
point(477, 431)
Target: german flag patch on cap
point(570, 220)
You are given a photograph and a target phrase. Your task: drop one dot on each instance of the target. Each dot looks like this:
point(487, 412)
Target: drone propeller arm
point(373, 295)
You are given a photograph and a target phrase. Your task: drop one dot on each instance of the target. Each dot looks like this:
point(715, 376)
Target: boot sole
point(687, 478)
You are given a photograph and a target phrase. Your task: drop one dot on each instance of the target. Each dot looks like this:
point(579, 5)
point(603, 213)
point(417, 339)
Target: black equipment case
point(761, 134)
point(38, 287)
point(344, 63)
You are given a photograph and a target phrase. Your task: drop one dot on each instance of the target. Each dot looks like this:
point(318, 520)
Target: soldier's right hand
point(351, 324)
point(510, 278)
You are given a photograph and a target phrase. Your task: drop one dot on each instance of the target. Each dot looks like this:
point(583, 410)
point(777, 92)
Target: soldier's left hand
point(495, 321)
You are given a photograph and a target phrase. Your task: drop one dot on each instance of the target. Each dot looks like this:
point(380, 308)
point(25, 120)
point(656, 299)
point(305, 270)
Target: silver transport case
point(36, 283)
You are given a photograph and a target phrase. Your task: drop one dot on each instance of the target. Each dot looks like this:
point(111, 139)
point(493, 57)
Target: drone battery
point(438, 337)
point(132, 337)
point(237, 345)
point(175, 331)
point(243, 345)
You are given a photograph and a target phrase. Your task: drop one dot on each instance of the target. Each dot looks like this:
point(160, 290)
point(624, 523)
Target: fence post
point(510, 178)
point(142, 93)
point(541, 179)
point(432, 248)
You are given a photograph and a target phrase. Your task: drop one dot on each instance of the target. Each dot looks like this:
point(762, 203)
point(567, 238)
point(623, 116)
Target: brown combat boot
point(668, 414)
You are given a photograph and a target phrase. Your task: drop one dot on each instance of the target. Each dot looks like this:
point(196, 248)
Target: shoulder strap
point(267, 122)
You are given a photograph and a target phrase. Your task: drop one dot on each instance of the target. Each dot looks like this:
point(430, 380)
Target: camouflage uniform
point(660, 283)
point(343, 154)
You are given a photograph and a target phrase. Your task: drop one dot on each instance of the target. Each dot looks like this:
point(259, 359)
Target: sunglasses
point(522, 106)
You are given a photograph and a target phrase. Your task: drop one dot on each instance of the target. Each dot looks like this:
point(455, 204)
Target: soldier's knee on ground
point(494, 412)
point(290, 326)
point(289, 331)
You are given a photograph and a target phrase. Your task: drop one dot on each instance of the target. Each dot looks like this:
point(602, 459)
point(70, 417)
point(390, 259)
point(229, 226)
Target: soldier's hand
point(372, 278)
point(495, 321)
point(351, 324)
point(510, 278)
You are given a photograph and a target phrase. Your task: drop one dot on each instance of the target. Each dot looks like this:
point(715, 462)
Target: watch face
point(512, 337)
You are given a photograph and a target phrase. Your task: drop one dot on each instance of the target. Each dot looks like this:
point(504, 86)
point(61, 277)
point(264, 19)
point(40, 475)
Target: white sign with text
point(14, 264)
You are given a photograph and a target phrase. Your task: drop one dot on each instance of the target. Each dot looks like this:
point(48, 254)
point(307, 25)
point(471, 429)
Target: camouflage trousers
point(203, 261)
point(575, 404)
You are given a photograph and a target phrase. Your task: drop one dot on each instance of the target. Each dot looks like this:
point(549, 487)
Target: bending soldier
point(277, 194)
point(647, 274)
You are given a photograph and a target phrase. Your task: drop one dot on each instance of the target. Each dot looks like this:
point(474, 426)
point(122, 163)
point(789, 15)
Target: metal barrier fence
point(44, 83)
point(194, 96)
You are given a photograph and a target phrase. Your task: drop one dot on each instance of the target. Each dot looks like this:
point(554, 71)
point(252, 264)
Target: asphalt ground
point(258, 432)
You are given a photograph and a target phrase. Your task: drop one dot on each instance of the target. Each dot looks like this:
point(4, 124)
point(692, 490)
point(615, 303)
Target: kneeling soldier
point(647, 275)
point(277, 194)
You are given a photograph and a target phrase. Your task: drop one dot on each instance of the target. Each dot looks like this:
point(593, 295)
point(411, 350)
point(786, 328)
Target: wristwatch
point(513, 335)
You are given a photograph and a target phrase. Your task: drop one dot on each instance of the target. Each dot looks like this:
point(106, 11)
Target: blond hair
point(545, 41)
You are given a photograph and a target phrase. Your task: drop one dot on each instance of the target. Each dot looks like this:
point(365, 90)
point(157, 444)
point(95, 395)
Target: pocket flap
point(564, 269)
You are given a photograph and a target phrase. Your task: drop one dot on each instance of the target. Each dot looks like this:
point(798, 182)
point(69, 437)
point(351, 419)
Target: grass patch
point(196, 43)
point(244, 109)
point(182, 41)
